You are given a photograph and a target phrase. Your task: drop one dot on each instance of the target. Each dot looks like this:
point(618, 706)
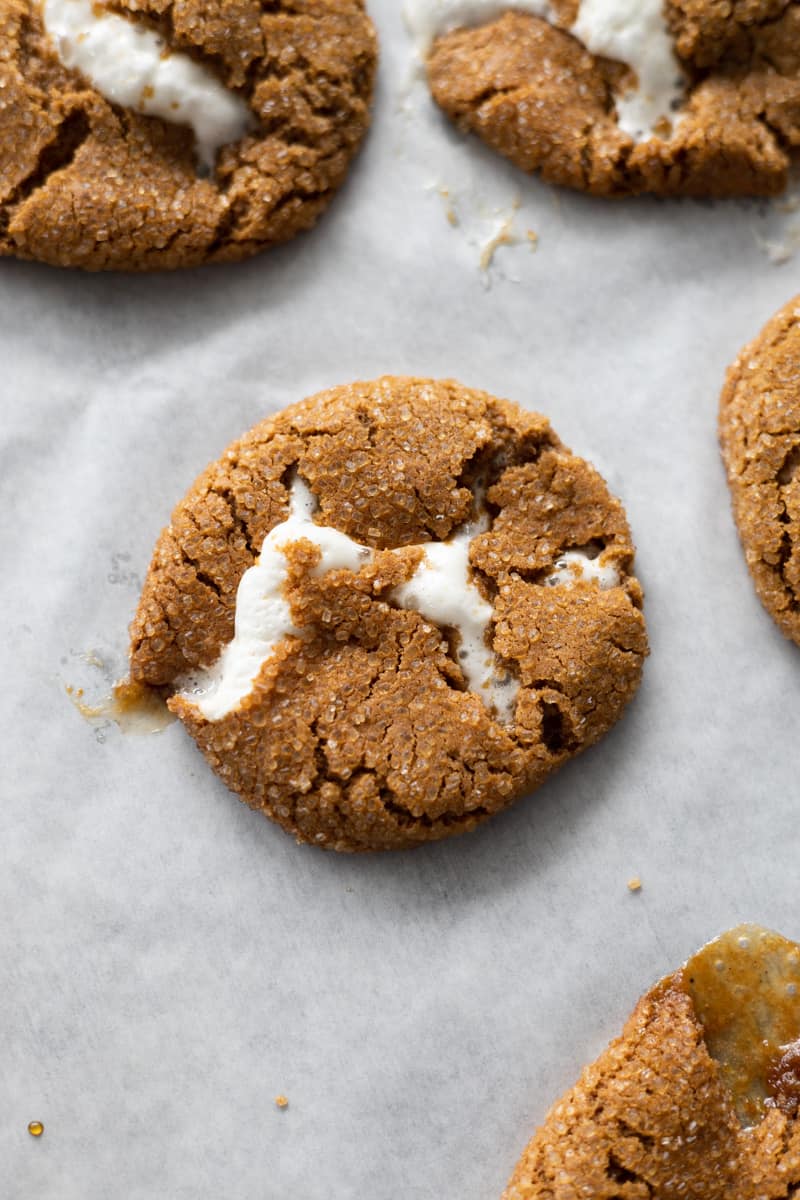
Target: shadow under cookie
point(389, 611)
point(146, 135)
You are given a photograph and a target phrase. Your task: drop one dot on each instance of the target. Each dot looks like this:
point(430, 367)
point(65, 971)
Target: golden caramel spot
point(745, 986)
point(134, 707)
point(36, 1129)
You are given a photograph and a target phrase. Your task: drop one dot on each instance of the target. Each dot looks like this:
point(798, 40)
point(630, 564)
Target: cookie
point(697, 1099)
point(390, 610)
point(759, 427)
point(690, 97)
point(154, 134)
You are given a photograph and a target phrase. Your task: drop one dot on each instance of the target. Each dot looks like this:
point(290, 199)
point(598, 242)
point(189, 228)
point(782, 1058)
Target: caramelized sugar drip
point(134, 707)
point(745, 986)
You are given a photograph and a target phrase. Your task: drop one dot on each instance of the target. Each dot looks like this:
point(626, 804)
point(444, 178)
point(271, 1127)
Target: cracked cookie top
point(390, 610)
point(672, 97)
point(166, 133)
point(698, 1098)
point(759, 426)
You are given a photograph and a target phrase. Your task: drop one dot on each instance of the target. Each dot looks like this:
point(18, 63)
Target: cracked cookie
point(392, 609)
point(153, 134)
point(682, 97)
point(697, 1099)
point(759, 427)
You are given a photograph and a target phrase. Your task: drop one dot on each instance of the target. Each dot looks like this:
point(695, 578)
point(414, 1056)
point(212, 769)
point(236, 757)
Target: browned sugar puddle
point(132, 706)
point(745, 986)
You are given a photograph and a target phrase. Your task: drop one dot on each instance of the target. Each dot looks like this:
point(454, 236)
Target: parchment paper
point(169, 961)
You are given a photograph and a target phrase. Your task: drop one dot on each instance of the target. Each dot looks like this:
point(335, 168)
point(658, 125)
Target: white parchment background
point(169, 961)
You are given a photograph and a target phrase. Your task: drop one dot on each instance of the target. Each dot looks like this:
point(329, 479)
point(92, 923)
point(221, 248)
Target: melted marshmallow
point(576, 565)
point(128, 64)
point(636, 33)
point(632, 31)
point(440, 590)
point(263, 616)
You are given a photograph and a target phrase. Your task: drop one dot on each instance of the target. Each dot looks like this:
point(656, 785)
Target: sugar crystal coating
point(361, 729)
point(759, 427)
point(633, 31)
point(586, 91)
point(91, 180)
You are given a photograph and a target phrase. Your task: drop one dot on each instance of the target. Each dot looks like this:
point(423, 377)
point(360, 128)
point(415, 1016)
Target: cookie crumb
point(533, 238)
point(780, 252)
point(282, 1101)
point(449, 211)
point(635, 884)
point(503, 237)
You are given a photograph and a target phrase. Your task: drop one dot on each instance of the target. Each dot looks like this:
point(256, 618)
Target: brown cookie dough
point(86, 183)
point(658, 1116)
point(361, 731)
point(759, 426)
point(532, 91)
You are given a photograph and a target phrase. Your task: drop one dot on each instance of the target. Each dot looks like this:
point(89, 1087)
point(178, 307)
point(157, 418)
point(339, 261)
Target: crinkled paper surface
point(171, 962)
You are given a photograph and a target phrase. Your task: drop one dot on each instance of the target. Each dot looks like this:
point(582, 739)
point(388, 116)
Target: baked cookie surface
point(759, 427)
point(690, 98)
point(168, 133)
point(698, 1098)
point(392, 609)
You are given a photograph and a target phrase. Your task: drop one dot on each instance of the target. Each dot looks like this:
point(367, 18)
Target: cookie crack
point(785, 551)
point(227, 229)
point(558, 734)
point(631, 651)
point(788, 468)
point(68, 137)
point(706, 56)
point(228, 497)
point(406, 818)
point(203, 576)
point(163, 23)
point(619, 1173)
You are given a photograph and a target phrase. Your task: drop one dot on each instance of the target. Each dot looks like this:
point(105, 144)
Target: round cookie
point(443, 612)
point(690, 97)
point(759, 427)
point(151, 134)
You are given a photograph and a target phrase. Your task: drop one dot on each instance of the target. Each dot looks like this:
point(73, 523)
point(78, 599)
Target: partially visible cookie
point(151, 134)
point(697, 1099)
point(691, 97)
point(759, 427)
point(389, 611)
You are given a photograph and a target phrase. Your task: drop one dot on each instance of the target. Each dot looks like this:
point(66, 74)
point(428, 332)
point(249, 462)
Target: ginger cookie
point(392, 609)
point(697, 1099)
point(147, 134)
point(672, 97)
point(759, 426)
